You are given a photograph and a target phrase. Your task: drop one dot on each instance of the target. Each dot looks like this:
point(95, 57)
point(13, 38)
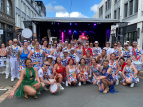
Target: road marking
point(6, 94)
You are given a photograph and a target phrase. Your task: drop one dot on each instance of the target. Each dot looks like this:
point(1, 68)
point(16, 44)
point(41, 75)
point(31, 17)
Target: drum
point(55, 88)
point(138, 65)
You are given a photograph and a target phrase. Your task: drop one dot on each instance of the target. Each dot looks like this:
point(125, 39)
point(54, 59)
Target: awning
point(66, 19)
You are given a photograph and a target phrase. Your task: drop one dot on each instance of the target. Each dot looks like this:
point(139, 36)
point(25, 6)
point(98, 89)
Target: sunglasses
point(115, 45)
point(14, 42)
point(47, 65)
point(86, 45)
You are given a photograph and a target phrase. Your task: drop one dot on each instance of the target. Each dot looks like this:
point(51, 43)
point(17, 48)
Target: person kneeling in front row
point(27, 84)
point(106, 79)
point(129, 73)
point(43, 74)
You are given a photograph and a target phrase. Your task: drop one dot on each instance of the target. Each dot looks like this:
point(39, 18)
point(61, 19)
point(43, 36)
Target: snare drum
point(138, 65)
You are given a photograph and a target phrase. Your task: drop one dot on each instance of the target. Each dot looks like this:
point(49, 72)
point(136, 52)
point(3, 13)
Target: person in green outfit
point(27, 86)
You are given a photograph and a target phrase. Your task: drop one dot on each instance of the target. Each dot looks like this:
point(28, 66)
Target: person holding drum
point(27, 86)
point(95, 68)
point(3, 57)
point(96, 50)
point(37, 56)
point(82, 71)
point(22, 55)
point(129, 73)
point(114, 67)
point(107, 48)
point(71, 72)
point(8, 59)
point(43, 74)
point(116, 51)
point(58, 70)
point(106, 79)
point(13, 51)
point(137, 57)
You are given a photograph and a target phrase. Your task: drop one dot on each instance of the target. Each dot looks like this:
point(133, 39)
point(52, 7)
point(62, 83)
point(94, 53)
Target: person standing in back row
point(13, 51)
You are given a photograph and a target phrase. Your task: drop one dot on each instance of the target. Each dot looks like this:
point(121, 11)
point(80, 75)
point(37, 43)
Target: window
point(126, 10)
point(116, 1)
point(136, 6)
point(131, 7)
point(1, 25)
point(1, 5)
point(9, 28)
point(109, 4)
point(115, 14)
point(119, 13)
point(100, 11)
point(131, 36)
point(106, 5)
point(9, 8)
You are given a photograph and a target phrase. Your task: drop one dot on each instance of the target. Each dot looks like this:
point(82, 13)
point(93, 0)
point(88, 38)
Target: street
point(84, 96)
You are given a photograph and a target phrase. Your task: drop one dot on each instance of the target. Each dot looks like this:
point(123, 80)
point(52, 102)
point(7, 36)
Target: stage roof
point(66, 19)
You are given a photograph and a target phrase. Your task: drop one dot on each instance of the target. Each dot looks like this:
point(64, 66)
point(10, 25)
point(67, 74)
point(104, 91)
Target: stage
point(63, 28)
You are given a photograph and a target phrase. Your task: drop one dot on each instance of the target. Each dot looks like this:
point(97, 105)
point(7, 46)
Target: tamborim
point(27, 33)
point(2, 52)
point(138, 65)
point(54, 88)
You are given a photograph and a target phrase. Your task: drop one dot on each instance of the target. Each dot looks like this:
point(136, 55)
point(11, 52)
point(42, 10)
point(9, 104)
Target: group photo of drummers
point(51, 66)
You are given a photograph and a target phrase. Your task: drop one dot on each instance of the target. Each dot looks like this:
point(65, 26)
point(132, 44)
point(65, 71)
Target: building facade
point(25, 10)
point(129, 13)
point(7, 20)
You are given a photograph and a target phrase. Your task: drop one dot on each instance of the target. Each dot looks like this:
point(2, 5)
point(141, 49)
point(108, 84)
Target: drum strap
point(136, 54)
point(44, 74)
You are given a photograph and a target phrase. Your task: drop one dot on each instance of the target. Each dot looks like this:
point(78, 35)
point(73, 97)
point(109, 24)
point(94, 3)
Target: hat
point(127, 41)
point(135, 42)
point(60, 40)
point(66, 41)
point(96, 42)
point(65, 51)
point(49, 56)
point(28, 41)
point(72, 48)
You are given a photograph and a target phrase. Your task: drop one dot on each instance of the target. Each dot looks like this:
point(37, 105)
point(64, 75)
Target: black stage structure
point(62, 28)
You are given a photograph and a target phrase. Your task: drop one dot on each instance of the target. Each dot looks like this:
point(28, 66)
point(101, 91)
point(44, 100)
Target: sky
point(80, 8)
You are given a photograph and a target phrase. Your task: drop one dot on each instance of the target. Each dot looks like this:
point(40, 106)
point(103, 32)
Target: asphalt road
point(84, 96)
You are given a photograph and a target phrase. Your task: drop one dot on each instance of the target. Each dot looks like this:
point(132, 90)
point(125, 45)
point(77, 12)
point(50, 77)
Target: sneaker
point(46, 89)
point(138, 80)
point(63, 82)
point(6, 77)
point(84, 82)
point(12, 79)
point(62, 88)
point(67, 83)
point(89, 75)
point(79, 83)
point(39, 93)
point(18, 77)
point(132, 84)
point(117, 82)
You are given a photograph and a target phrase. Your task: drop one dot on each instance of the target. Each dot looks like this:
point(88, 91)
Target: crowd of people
point(70, 63)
